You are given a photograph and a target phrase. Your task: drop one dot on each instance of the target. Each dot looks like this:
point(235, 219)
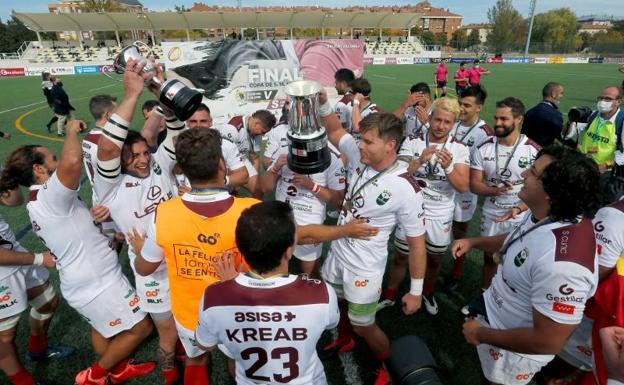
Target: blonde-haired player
point(443, 164)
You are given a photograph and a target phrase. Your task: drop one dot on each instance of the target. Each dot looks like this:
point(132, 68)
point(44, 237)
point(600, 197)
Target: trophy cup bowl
point(307, 139)
point(182, 100)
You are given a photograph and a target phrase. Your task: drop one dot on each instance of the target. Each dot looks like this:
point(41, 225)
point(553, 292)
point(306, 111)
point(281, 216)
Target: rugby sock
point(457, 267)
point(170, 375)
point(120, 367)
point(37, 344)
point(390, 293)
point(383, 356)
point(180, 352)
point(196, 375)
point(22, 377)
point(97, 371)
point(428, 288)
point(345, 332)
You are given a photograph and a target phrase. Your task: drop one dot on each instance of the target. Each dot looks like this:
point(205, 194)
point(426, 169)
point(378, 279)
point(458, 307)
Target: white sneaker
point(384, 304)
point(430, 304)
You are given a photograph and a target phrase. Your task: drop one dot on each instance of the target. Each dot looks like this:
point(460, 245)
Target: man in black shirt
point(543, 123)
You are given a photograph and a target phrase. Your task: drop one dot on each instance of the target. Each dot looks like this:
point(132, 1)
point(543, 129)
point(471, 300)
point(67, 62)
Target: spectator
point(543, 123)
point(46, 86)
point(62, 107)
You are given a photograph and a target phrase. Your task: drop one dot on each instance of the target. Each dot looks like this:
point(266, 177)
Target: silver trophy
point(182, 100)
point(307, 138)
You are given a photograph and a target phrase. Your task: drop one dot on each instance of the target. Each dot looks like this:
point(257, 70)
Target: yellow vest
point(600, 138)
point(191, 244)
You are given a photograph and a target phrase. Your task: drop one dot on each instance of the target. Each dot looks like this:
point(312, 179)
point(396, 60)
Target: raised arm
point(335, 130)
point(69, 169)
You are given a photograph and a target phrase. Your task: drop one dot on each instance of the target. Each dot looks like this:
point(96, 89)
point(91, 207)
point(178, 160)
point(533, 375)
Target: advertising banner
point(83, 70)
point(596, 60)
point(405, 60)
point(516, 60)
point(555, 60)
point(495, 60)
point(391, 60)
point(421, 60)
point(379, 60)
point(240, 77)
point(36, 71)
point(541, 60)
point(368, 60)
point(458, 60)
point(12, 72)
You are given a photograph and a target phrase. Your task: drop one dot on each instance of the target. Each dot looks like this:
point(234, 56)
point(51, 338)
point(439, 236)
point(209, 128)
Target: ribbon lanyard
point(432, 167)
point(500, 174)
point(467, 132)
point(513, 237)
point(349, 201)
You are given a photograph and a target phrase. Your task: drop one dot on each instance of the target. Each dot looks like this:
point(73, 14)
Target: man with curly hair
point(547, 270)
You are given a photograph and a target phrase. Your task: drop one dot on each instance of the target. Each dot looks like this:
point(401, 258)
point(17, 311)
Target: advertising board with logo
point(391, 60)
point(12, 72)
point(84, 70)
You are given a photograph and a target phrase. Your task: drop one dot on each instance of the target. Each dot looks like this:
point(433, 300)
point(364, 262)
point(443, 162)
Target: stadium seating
point(89, 54)
point(391, 48)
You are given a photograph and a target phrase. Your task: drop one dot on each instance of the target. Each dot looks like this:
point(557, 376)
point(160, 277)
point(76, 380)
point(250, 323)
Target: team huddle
point(211, 268)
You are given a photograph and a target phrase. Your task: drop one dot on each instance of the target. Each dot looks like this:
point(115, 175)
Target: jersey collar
point(215, 195)
point(267, 283)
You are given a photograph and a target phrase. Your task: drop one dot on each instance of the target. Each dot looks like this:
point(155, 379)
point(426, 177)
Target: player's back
point(269, 326)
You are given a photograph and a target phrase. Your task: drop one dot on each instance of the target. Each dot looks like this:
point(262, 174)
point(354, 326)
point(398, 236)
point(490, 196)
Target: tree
point(507, 26)
point(473, 38)
point(607, 42)
point(100, 6)
point(618, 26)
point(181, 8)
point(13, 34)
point(556, 30)
point(459, 39)
point(440, 38)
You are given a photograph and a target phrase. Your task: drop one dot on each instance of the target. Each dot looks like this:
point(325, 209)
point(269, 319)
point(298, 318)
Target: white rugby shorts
point(187, 337)
point(578, 350)
point(115, 310)
point(308, 253)
point(438, 236)
point(356, 288)
point(13, 297)
point(465, 206)
point(490, 228)
point(154, 292)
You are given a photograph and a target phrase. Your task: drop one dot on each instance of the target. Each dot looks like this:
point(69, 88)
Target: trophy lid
point(303, 88)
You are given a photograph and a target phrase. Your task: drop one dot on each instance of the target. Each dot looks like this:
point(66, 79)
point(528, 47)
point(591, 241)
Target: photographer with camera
point(599, 134)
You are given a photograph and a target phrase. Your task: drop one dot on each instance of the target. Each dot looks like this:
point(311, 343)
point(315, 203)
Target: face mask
point(476, 66)
point(604, 106)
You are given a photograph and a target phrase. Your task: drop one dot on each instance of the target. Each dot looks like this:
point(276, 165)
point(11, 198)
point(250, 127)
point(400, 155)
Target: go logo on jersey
point(134, 301)
point(114, 323)
point(361, 283)
point(521, 377)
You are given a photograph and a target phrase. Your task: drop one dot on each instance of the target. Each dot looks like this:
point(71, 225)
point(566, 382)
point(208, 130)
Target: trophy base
point(182, 100)
point(308, 156)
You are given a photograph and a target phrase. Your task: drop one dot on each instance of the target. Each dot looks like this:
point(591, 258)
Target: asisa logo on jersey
point(521, 257)
point(523, 162)
point(384, 197)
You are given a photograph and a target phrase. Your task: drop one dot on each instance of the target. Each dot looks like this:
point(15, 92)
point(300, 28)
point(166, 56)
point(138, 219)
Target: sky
point(474, 11)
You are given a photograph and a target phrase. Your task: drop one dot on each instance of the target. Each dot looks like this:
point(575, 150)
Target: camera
point(579, 114)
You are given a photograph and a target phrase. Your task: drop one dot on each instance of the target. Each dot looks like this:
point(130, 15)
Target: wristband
point(325, 110)
point(416, 286)
point(520, 211)
point(356, 102)
point(272, 170)
point(449, 169)
point(38, 261)
point(316, 188)
point(227, 180)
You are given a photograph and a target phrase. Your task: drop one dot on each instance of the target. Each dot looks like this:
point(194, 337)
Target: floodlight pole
point(532, 16)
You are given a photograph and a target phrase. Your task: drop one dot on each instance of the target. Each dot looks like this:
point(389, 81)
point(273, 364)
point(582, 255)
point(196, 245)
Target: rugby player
point(548, 270)
point(130, 182)
point(24, 280)
point(475, 73)
point(91, 279)
point(442, 163)
point(343, 78)
point(472, 131)
point(414, 111)
point(361, 105)
point(268, 320)
point(246, 133)
point(191, 247)
point(496, 174)
point(385, 194)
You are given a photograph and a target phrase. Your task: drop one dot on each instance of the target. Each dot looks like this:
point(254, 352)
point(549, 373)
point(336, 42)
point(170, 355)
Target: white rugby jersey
point(236, 132)
point(411, 124)
point(131, 200)
point(484, 159)
point(473, 137)
point(89, 158)
point(277, 142)
point(269, 326)
point(9, 242)
point(86, 262)
point(552, 269)
point(307, 207)
point(391, 199)
point(437, 192)
point(608, 225)
point(343, 110)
